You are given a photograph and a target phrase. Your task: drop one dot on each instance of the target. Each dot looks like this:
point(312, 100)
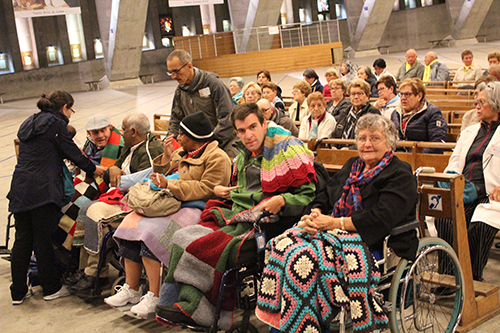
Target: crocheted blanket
point(156, 232)
point(308, 277)
point(286, 161)
point(201, 254)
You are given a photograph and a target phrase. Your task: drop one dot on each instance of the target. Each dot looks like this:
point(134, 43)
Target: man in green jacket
point(273, 173)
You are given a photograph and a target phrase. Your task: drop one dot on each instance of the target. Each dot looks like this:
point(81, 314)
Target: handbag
point(151, 203)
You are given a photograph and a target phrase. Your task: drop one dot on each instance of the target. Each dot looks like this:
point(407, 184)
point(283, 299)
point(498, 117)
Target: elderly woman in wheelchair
point(324, 263)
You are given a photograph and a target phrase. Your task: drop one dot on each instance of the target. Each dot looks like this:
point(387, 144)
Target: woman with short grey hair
point(374, 122)
point(474, 157)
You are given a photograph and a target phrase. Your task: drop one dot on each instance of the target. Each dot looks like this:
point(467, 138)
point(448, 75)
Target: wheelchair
point(424, 295)
point(108, 246)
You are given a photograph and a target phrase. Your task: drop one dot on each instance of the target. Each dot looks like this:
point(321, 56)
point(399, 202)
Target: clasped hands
point(316, 221)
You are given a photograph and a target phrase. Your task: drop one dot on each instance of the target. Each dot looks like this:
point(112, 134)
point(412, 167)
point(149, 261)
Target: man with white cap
point(104, 141)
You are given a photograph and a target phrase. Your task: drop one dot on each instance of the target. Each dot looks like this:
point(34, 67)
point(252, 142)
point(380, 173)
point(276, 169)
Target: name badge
point(261, 241)
point(205, 92)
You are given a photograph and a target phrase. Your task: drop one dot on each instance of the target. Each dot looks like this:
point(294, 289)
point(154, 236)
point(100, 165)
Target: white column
point(25, 35)
point(208, 17)
point(75, 34)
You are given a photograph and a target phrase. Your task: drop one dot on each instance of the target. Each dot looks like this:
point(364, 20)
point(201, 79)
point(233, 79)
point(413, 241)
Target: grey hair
point(183, 56)
point(139, 121)
point(368, 70)
point(263, 100)
point(238, 80)
point(373, 122)
point(493, 95)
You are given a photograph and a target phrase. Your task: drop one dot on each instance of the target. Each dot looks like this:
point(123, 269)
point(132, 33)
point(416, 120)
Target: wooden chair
point(160, 123)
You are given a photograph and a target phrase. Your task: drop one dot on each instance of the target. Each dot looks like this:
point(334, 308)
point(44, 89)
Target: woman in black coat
point(36, 193)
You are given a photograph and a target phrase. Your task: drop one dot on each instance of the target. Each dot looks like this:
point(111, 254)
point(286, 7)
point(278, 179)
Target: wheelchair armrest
point(404, 227)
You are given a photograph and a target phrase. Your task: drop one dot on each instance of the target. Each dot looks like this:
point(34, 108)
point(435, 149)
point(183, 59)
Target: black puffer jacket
point(428, 124)
point(44, 143)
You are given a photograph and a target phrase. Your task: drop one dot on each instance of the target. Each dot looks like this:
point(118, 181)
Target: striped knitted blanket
point(286, 161)
point(308, 277)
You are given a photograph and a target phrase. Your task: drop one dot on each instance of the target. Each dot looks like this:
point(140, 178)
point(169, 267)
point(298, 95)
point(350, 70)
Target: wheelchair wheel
point(427, 295)
point(120, 281)
point(236, 328)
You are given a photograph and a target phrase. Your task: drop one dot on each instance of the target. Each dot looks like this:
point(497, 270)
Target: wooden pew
point(333, 159)
point(481, 300)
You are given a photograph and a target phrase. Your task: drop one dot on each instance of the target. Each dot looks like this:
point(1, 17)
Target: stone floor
point(72, 314)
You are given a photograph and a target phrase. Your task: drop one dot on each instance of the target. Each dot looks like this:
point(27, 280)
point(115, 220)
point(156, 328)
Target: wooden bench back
point(160, 122)
point(333, 158)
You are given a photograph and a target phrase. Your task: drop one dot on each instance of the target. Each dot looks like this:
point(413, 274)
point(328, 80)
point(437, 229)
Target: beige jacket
point(198, 176)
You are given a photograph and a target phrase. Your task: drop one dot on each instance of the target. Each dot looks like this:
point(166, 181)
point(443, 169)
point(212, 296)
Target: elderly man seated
point(104, 141)
point(141, 147)
point(265, 182)
point(411, 68)
point(103, 146)
point(192, 173)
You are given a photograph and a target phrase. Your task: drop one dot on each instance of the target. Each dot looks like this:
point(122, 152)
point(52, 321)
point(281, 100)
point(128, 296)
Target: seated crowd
point(273, 179)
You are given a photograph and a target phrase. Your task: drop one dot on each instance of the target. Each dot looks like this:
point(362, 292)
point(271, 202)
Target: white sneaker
point(63, 292)
point(147, 305)
point(20, 301)
point(124, 294)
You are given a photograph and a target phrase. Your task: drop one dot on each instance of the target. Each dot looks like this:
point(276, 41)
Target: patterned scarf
point(351, 196)
point(350, 124)
point(111, 152)
point(286, 161)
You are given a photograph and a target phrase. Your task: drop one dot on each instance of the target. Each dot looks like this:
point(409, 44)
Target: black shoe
point(172, 315)
point(74, 278)
point(497, 245)
point(87, 283)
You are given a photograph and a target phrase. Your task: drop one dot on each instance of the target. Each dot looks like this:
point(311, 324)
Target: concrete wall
point(154, 62)
point(33, 83)
point(72, 77)
point(490, 23)
point(414, 28)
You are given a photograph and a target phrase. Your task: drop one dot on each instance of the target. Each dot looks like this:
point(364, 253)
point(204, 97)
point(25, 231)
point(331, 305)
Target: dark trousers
point(481, 237)
point(33, 232)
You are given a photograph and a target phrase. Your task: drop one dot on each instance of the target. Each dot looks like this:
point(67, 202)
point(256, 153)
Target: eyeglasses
point(359, 93)
point(72, 110)
point(265, 110)
point(375, 140)
point(336, 88)
point(406, 94)
point(381, 89)
point(481, 102)
point(176, 71)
